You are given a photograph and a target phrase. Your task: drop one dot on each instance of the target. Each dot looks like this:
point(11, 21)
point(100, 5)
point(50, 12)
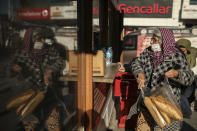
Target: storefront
point(87, 97)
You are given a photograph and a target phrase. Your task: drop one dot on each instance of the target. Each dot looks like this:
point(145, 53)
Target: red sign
point(145, 8)
point(34, 13)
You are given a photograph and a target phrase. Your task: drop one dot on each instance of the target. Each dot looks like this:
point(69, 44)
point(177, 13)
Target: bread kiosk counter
point(102, 98)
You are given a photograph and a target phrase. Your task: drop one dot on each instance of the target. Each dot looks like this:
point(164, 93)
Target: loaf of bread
point(154, 112)
point(19, 99)
point(166, 117)
point(19, 109)
point(32, 104)
point(167, 107)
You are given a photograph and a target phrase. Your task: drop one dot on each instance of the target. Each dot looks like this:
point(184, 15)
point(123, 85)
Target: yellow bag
point(142, 124)
point(53, 121)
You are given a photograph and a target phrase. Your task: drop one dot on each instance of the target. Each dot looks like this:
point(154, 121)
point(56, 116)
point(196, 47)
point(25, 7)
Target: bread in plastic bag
point(166, 104)
point(154, 112)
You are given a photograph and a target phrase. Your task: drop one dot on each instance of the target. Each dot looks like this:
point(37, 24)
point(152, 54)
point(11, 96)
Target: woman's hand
point(120, 67)
point(16, 68)
point(47, 76)
point(141, 80)
point(172, 73)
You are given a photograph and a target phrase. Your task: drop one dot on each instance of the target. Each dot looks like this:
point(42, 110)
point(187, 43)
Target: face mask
point(156, 47)
point(38, 45)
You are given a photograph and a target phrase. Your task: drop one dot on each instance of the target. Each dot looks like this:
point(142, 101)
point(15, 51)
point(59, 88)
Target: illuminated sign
point(64, 12)
point(146, 8)
point(33, 13)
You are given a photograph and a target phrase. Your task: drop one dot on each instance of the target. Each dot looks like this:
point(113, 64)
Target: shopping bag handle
point(142, 92)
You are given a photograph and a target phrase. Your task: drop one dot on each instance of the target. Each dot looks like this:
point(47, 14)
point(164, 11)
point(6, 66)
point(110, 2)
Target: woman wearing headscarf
point(190, 52)
point(188, 93)
point(161, 59)
point(39, 62)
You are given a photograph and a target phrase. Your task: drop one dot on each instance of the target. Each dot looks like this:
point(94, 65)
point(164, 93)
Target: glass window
point(193, 2)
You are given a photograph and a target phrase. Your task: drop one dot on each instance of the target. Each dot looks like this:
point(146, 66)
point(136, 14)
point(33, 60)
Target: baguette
point(167, 107)
point(18, 110)
point(19, 99)
point(166, 117)
point(33, 103)
point(154, 112)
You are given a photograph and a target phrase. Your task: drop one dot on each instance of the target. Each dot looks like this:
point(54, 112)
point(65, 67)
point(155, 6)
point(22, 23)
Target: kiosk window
point(130, 42)
point(193, 2)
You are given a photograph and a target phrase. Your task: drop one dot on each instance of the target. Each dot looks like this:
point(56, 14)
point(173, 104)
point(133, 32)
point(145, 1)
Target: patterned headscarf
point(168, 47)
point(28, 43)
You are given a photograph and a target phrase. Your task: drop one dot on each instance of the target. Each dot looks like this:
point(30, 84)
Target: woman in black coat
point(161, 59)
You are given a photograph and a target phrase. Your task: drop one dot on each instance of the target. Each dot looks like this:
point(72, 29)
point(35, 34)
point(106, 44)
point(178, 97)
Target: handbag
point(53, 121)
point(142, 124)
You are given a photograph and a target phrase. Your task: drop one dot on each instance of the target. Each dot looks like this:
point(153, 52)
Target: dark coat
point(143, 64)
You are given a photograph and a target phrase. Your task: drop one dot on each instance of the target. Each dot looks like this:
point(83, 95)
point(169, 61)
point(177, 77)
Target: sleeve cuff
point(127, 68)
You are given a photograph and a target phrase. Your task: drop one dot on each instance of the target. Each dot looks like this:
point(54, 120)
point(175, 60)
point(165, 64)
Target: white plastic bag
point(162, 105)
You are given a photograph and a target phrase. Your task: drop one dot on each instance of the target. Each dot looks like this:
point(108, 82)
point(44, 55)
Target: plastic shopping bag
point(162, 105)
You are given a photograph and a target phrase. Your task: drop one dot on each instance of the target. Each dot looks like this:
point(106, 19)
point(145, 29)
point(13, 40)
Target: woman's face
point(39, 42)
point(38, 38)
point(184, 50)
point(155, 44)
point(154, 40)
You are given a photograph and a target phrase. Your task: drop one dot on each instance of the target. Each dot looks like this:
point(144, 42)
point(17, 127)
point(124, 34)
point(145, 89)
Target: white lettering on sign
point(29, 13)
